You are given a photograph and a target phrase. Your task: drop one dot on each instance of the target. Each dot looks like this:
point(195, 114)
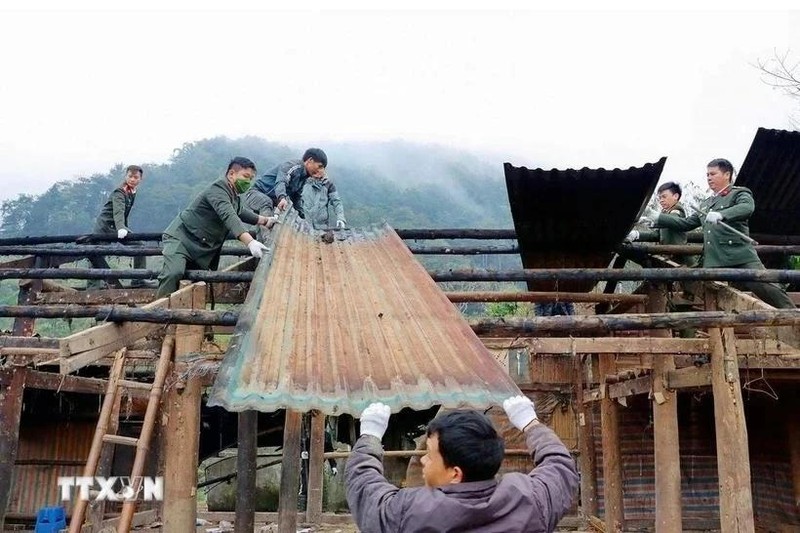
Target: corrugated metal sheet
point(575, 218)
point(772, 171)
point(337, 326)
point(35, 486)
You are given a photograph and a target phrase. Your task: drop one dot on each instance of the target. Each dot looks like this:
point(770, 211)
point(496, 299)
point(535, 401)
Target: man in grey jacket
point(461, 493)
point(319, 197)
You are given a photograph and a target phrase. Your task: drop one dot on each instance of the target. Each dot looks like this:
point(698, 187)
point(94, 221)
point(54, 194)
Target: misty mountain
point(405, 184)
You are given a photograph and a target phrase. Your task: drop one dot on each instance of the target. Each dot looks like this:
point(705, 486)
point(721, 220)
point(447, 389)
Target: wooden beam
point(10, 412)
point(733, 459)
point(316, 466)
point(181, 429)
point(85, 347)
point(246, 472)
point(61, 383)
point(665, 428)
point(689, 377)
point(612, 461)
point(290, 478)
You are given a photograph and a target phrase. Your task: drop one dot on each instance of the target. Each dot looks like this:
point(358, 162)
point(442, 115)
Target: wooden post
point(612, 464)
point(10, 414)
point(587, 460)
point(290, 473)
point(733, 459)
point(182, 431)
point(316, 466)
point(665, 428)
point(246, 472)
point(793, 434)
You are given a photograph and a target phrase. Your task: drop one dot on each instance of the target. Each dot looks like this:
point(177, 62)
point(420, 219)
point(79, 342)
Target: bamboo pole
point(605, 274)
point(593, 297)
point(111, 273)
point(665, 428)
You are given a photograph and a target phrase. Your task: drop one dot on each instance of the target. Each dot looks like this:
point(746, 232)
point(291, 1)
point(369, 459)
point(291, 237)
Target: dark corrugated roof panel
point(337, 326)
point(772, 171)
point(575, 218)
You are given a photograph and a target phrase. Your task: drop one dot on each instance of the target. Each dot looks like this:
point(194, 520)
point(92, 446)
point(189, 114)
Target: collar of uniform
point(726, 191)
point(128, 189)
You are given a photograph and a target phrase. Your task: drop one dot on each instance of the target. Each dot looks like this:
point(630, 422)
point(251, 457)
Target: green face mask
point(241, 185)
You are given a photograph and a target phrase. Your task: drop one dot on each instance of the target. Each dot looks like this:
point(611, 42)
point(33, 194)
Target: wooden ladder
point(116, 382)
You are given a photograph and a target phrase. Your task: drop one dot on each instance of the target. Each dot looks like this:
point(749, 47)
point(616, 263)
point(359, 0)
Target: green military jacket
point(114, 215)
point(672, 236)
point(199, 231)
point(721, 246)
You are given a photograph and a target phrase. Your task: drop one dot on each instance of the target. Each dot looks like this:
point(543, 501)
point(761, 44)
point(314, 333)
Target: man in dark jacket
point(284, 183)
point(113, 220)
point(194, 238)
point(722, 247)
point(461, 493)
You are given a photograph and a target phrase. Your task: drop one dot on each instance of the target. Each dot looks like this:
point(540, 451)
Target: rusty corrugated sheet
point(575, 218)
point(337, 326)
point(35, 486)
point(772, 171)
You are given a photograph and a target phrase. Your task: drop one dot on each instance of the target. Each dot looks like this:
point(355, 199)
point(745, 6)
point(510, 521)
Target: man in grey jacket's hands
point(464, 453)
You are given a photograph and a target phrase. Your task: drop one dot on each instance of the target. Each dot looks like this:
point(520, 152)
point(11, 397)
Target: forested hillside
point(404, 184)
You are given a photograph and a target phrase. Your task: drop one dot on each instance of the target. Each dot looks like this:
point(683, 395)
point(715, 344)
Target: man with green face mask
point(194, 238)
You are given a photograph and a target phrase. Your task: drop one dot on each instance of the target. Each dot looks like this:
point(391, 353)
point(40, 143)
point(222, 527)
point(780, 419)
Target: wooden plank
point(665, 428)
point(86, 347)
point(689, 377)
point(246, 472)
point(9, 341)
point(315, 468)
point(290, 476)
point(62, 383)
point(733, 458)
point(181, 430)
point(612, 463)
point(10, 413)
point(630, 387)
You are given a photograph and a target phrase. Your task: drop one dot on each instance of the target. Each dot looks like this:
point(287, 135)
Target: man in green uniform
point(113, 219)
point(723, 248)
point(194, 238)
point(669, 196)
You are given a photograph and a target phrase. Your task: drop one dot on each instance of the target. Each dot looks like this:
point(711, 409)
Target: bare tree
point(782, 72)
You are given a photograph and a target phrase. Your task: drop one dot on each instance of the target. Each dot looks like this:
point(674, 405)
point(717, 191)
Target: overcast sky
point(81, 90)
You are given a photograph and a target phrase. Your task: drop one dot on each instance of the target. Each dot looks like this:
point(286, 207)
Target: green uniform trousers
point(768, 292)
point(177, 260)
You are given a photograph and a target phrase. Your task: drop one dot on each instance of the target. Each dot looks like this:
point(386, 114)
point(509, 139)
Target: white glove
point(714, 217)
point(122, 233)
point(632, 236)
point(256, 248)
point(334, 471)
point(341, 224)
point(375, 419)
point(519, 410)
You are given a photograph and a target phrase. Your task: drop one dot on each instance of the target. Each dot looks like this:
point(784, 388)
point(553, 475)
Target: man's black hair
point(240, 162)
point(132, 169)
point(670, 186)
point(317, 155)
point(468, 440)
point(723, 164)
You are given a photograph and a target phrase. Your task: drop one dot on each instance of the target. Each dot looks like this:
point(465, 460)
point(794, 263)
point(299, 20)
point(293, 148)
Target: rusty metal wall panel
point(336, 326)
point(575, 218)
point(772, 171)
point(35, 486)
